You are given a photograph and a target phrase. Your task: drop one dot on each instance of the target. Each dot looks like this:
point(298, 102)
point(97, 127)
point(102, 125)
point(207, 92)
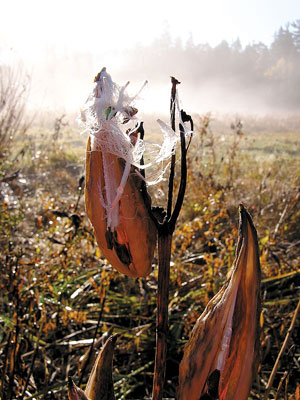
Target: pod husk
point(130, 248)
point(100, 384)
point(236, 307)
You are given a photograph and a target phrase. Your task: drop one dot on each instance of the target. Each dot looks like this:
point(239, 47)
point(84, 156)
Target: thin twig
point(280, 220)
point(80, 192)
point(282, 350)
point(282, 380)
point(86, 363)
point(5, 363)
point(33, 357)
point(17, 331)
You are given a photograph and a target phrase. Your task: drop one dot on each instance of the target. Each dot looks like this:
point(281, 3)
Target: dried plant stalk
point(282, 350)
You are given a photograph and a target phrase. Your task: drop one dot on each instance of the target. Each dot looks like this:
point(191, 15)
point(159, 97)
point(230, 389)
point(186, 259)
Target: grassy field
point(57, 294)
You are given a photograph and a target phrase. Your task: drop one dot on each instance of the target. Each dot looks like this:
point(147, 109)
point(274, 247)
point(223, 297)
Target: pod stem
point(165, 233)
point(164, 255)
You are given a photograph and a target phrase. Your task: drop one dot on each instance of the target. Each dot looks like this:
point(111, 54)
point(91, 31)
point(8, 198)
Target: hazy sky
point(89, 24)
point(108, 27)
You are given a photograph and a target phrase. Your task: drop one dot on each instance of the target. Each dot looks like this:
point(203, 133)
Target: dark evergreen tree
point(296, 33)
point(283, 45)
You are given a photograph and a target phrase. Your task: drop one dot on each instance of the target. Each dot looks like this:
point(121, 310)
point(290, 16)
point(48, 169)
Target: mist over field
point(229, 77)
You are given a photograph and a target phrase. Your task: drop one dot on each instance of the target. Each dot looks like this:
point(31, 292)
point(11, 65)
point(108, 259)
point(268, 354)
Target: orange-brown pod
point(100, 384)
point(220, 358)
point(130, 246)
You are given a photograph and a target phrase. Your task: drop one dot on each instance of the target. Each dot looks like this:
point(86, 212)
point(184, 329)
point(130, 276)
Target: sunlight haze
point(38, 33)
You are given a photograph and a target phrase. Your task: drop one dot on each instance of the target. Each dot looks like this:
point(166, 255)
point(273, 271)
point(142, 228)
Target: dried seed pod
point(221, 357)
point(115, 204)
point(129, 245)
point(100, 384)
point(91, 354)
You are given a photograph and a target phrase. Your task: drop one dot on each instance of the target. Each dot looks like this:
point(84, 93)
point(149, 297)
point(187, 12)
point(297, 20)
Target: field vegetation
point(59, 298)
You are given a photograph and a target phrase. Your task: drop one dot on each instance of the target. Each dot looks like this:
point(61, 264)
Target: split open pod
point(129, 245)
point(221, 357)
point(115, 201)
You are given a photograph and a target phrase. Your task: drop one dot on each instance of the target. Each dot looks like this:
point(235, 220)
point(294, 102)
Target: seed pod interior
point(226, 336)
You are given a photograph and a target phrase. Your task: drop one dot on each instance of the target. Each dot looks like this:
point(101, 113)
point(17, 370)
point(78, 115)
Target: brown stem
point(35, 352)
point(164, 254)
point(165, 232)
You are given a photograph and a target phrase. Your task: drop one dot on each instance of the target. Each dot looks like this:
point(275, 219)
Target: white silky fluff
point(109, 118)
point(103, 118)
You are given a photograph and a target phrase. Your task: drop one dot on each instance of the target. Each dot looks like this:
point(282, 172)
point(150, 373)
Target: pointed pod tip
point(246, 218)
point(244, 213)
point(98, 76)
point(241, 207)
point(175, 81)
point(108, 348)
point(100, 382)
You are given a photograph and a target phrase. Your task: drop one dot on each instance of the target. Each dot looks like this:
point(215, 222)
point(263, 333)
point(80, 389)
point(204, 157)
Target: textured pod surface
point(75, 393)
point(220, 359)
point(130, 248)
point(100, 384)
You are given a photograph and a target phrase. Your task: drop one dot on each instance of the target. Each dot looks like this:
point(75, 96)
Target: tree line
point(259, 74)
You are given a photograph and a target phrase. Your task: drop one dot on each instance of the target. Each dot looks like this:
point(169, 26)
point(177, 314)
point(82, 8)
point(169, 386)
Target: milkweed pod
point(221, 357)
point(87, 360)
point(100, 384)
point(130, 245)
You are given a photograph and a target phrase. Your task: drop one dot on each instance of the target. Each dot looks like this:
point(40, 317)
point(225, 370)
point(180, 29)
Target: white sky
point(28, 24)
point(27, 27)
